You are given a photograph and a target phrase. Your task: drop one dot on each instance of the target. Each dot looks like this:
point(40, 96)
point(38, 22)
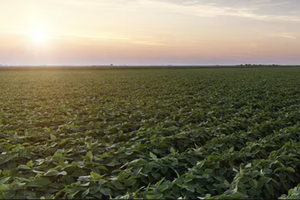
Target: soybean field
point(220, 133)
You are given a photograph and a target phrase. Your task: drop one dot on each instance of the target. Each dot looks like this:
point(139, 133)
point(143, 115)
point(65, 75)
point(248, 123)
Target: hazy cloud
point(264, 10)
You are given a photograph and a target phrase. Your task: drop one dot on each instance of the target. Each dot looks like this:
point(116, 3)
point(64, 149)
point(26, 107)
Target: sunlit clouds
point(80, 32)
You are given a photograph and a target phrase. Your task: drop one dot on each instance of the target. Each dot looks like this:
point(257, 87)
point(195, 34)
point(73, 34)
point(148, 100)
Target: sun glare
point(39, 35)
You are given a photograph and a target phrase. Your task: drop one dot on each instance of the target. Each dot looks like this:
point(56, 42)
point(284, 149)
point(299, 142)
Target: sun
point(39, 35)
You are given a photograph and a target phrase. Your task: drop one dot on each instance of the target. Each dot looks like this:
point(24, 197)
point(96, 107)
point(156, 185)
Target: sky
point(149, 32)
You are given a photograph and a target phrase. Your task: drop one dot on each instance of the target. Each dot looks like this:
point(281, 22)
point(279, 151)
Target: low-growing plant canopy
point(196, 133)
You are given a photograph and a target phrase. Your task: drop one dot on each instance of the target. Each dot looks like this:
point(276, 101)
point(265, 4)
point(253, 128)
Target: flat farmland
point(150, 133)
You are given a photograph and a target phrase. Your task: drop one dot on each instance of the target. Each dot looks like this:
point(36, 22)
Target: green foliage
point(150, 134)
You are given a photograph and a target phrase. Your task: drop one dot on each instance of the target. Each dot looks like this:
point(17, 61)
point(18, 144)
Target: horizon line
point(142, 65)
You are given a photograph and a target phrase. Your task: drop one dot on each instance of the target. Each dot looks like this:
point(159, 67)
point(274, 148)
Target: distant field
point(84, 68)
point(155, 133)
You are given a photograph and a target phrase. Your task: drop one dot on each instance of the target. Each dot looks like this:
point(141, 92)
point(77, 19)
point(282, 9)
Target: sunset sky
point(149, 32)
